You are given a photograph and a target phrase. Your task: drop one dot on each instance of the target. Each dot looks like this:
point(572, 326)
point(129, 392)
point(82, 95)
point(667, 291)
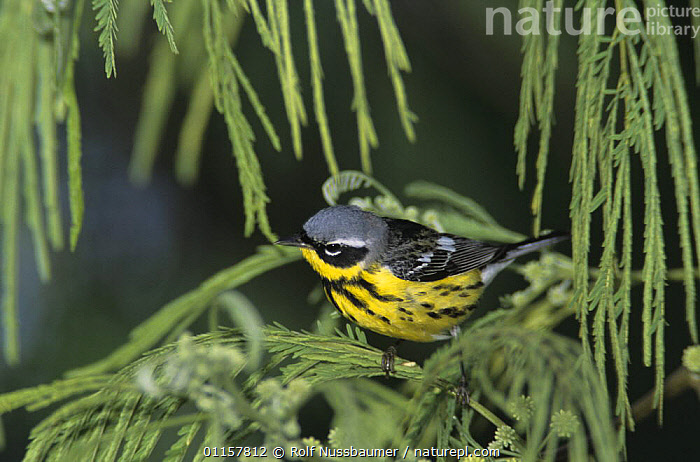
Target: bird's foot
point(462, 392)
point(388, 359)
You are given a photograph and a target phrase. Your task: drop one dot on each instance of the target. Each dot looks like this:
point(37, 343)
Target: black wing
point(418, 253)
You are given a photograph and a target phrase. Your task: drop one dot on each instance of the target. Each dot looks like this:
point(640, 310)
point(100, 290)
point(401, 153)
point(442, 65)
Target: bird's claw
point(388, 358)
point(462, 393)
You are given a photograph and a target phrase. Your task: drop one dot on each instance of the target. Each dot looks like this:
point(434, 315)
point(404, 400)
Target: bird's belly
point(416, 311)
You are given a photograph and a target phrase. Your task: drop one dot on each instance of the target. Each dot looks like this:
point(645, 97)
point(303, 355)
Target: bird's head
point(342, 236)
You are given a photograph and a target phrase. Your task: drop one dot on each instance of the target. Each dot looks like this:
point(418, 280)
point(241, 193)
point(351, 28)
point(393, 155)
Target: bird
point(400, 278)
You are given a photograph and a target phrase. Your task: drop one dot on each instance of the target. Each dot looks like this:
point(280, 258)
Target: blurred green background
point(141, 248)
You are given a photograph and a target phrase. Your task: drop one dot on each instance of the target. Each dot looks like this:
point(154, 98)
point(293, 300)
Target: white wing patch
point(446, 243)
point(426, 257)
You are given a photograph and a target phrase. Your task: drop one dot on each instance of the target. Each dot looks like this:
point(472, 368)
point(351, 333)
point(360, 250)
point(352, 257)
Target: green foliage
point(536, 100)
point(275, 35)
point(75, 151)
point(227, 77)
point(317, 86)
point(194, 393)
point(365, 127)
point(106, 17)
point(534, 387)
point(39, 47)
point(629, 87)
point(530, 387)
point(160, 15)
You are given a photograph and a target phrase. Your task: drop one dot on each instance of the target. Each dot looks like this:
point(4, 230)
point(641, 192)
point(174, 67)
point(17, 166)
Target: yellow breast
point(377, 300)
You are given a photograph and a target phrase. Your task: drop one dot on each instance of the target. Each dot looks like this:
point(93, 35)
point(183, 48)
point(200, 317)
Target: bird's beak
point(293, 241)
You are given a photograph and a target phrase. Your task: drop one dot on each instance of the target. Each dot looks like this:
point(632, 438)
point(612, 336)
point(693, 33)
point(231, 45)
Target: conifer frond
point(363, 410)
point(39, 47)
point(160, 14)
point(669, 88)
point(75, 150)
point(347, 17)
point(159, 91)
point(10, 224)
point(508, 362)
point(225, 79)
point(178, 450)
point(33, 203)
point(47, 135)
point(106, 18)
point(349, 181)
point(320, 359)
point(257, 105)
point(278, 23)
point(15, 143)
point(317, 87)
point(276, 34)
point(537, 97)
point(44, 395)
point(629, 86)
point(189, 144)
point(396, 60)
point(196, 389)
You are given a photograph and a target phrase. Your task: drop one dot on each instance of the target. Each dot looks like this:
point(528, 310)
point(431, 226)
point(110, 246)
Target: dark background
point(140, 248)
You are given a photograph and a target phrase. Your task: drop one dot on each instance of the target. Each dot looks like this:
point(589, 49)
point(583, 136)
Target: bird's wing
point(452, 255)
point(422, 254)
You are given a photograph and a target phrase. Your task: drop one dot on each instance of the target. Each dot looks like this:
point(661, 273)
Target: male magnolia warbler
point(400, 278)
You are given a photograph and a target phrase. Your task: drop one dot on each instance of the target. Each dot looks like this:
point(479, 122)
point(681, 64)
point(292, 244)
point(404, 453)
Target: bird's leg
point(388, 358)
point(461, 392)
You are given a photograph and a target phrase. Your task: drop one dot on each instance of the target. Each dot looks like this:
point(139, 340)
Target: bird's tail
point(534, 244)
point(512, 251)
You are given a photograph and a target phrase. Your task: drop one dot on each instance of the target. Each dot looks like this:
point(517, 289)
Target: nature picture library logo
point(655, 20)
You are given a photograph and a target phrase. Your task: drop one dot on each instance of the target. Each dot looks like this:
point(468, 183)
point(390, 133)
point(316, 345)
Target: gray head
point(343, 235)
point(347, 225)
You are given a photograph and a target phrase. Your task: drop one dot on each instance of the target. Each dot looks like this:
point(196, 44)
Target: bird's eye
point(333, 250)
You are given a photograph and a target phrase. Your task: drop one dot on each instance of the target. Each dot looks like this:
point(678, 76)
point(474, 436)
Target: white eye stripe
point(350, 242)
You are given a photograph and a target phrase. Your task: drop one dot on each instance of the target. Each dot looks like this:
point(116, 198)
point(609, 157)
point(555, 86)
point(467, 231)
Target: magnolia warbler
point(400, 278)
